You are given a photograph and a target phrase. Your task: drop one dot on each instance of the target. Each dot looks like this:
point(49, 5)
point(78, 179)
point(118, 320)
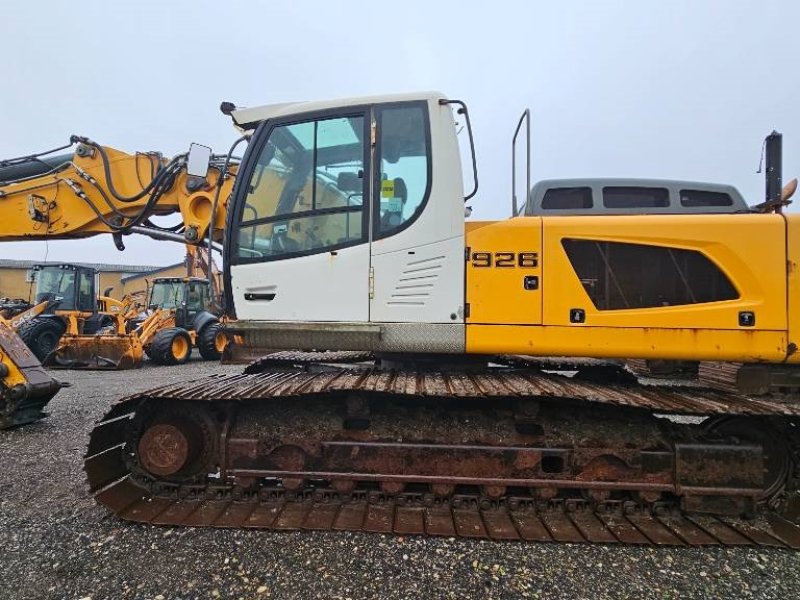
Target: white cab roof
point(248, 118)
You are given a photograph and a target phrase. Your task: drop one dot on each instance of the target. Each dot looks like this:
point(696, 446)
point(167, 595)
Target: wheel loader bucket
point(25, 387)
point(97, 352)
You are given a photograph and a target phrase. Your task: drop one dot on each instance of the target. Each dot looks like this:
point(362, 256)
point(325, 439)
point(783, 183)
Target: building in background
point(18, 279)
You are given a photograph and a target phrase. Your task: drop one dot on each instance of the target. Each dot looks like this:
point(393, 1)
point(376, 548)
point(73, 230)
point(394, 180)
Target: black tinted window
point(567, 198)
point(635, 197)
point(704, 198)
point(617, 275)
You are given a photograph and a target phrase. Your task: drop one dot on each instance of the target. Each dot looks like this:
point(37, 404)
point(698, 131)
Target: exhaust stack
point(774, 168)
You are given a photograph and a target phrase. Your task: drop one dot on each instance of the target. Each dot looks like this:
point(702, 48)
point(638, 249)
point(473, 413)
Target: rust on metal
point(510, 384)
point(164, 449)
point(506, 454)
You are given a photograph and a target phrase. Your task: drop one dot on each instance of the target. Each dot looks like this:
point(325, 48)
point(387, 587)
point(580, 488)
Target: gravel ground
point(56, 543)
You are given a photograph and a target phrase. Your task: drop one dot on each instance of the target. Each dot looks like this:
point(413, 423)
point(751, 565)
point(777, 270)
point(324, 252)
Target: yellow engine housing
point(553, 313)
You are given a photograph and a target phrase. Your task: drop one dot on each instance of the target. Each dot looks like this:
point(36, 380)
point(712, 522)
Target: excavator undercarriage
point(509, 452)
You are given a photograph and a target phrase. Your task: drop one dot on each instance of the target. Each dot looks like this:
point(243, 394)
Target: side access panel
point(666, 271)
point(504, 271)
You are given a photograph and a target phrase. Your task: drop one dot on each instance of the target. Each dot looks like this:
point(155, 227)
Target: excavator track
point(500, 454)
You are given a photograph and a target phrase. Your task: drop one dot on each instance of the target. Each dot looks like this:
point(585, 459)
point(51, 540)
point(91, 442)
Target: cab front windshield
point(56, 282)
point(166, 294)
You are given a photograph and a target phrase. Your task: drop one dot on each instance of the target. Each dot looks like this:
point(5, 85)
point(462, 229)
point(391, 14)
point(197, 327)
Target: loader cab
point(187, 296)
point(68, 287)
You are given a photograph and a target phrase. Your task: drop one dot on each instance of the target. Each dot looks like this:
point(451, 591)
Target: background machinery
point(432, 402)
point(67, 303)
point(189, 302)
point(68, 328)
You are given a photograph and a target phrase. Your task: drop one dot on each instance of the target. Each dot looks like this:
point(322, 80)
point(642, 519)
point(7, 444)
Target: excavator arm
point(97, 190)
point(102, 190)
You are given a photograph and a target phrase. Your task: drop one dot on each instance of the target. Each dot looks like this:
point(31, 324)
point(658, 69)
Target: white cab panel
point(419, 271)
point(319, 287)
point(422, 285)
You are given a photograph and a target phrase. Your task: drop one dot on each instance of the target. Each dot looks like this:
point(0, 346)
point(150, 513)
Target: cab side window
point(404, 165)
point(86, 299)
point(306, 194)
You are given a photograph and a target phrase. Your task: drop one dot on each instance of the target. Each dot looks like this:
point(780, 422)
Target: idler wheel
point(178, 443)
point(777, 456)
point(165, 449)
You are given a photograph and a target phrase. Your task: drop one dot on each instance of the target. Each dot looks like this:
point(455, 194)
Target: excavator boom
point(102, 190)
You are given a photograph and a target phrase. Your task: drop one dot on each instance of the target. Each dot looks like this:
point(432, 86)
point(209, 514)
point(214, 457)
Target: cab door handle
point(253, 296)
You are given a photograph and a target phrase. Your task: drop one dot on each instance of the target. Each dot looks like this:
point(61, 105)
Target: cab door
point(301, 245)
point(417, 246)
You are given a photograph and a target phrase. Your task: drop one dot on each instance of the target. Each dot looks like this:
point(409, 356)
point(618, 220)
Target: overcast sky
point(672, 89)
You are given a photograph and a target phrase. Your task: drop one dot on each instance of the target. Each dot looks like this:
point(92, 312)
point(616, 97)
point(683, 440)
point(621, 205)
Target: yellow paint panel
point(502, 255)
point(611, 342)
point(793, 276)
point(748, 248)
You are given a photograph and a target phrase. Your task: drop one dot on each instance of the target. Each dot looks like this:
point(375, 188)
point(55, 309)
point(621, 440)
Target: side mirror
point(198, 161)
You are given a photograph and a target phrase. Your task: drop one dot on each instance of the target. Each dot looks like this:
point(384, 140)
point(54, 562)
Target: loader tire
point(41, 336)
point(211, 341)
point(171, 346)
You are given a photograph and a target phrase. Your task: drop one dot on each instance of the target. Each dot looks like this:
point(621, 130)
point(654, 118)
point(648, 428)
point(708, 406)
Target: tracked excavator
point(463, 378)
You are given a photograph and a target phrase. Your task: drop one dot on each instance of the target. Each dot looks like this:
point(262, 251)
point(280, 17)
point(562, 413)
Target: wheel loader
point(440, 376)
point(67, 305)
point(193, 326)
